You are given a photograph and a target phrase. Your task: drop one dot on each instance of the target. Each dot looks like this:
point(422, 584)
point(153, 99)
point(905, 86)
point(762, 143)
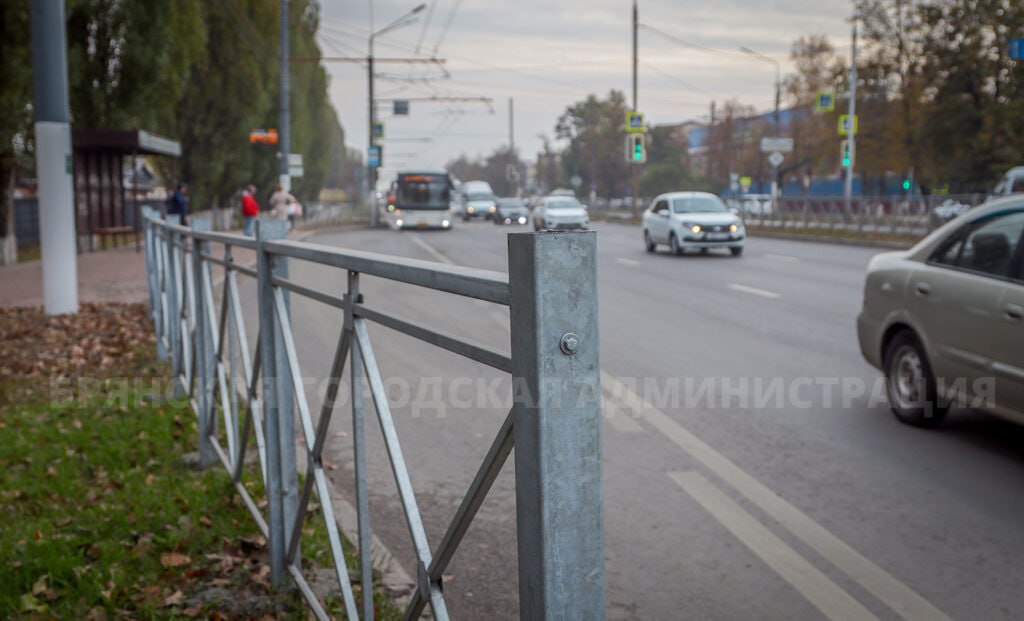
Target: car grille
point(717, 228)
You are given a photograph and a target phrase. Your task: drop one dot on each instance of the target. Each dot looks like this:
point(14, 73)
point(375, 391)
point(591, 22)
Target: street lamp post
point(371, 171)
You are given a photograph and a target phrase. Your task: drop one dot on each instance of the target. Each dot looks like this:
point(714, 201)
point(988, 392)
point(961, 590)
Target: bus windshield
point(423, 192)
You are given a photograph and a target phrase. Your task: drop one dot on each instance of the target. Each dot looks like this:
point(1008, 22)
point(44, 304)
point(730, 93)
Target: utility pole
point(852, 134)
point(53, 158)
point(635, 166)
point(285, 119)
point(371, 171)
point(513, 160)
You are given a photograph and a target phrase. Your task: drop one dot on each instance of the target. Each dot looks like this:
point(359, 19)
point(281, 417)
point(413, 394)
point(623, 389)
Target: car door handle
point(1013, 312)
point(923, 288)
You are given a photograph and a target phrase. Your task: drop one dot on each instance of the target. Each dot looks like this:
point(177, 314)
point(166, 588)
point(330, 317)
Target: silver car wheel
point(908, 380)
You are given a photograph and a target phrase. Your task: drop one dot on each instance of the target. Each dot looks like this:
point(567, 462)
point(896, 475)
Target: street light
point(778, 81)
point(371, 172)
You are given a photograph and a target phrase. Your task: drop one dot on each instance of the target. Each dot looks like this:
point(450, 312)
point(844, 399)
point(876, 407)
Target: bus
point(420, 199)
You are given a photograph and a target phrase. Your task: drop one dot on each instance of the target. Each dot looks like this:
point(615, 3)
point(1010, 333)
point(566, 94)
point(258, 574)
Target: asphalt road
point(763, 478)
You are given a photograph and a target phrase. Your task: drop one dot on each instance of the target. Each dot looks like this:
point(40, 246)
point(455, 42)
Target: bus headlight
point(398, 222)
point(445, 224)
point(522, 219)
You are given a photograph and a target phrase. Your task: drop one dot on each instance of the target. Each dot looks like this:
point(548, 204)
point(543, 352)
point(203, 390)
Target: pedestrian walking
point(279, 201)
point(250, 209)
point(177, 205)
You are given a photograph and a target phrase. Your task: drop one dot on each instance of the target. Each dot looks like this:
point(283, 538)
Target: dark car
point(511, 211)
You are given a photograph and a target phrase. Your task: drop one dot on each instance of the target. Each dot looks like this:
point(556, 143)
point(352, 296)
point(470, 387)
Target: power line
point(451, 18)
point(426, 24)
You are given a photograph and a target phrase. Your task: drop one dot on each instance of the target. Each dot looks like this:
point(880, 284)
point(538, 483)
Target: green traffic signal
point(906, 184)
point(638, 151)
point(846, 160)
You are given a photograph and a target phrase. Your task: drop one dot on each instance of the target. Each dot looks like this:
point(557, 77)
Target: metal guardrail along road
point(236, 394)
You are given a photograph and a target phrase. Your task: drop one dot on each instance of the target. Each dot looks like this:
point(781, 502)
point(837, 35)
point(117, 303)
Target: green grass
point(99, 511)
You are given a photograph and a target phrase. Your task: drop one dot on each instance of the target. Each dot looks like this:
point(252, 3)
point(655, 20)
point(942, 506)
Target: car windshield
point(563, 203)
point(506, 203)
point(697, 204)
point(480, 196)
point(423, 190)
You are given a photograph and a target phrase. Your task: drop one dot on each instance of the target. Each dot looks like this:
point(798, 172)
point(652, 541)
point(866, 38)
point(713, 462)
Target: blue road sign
point(1017, 49)
point(374, 156)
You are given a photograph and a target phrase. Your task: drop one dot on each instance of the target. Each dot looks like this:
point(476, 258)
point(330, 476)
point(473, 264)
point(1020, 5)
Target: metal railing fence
point(890, 215)
point(554, 423)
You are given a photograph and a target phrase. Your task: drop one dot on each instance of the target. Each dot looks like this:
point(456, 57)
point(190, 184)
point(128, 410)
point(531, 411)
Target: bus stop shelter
point(104, 210)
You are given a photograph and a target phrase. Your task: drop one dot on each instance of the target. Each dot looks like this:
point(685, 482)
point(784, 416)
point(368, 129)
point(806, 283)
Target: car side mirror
point(663, 214)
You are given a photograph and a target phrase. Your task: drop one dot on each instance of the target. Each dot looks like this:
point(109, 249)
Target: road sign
point(400, 107)
point(576, 181)
point(825, 102)
point(1017, 49)
point(263, 136)
point(636, 149)
point(844, 125)
point(776, 158)
point(294, 164)
point(378, 130)
point(634, 123)
point(745, 183)
point(374, 156)
point(780, 145)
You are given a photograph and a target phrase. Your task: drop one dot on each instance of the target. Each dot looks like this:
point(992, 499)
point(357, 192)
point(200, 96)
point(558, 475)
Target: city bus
point(420, 199)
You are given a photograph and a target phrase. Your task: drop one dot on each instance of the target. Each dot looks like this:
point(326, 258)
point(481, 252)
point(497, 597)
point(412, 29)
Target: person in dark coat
point(177, 204)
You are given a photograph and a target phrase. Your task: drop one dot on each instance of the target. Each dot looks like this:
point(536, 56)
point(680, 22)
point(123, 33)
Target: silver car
point(944, 320)
point(556, 213)
point(684, 220)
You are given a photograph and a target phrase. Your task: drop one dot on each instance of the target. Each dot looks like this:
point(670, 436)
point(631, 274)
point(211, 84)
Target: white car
point(560, 213)
point(684, 220)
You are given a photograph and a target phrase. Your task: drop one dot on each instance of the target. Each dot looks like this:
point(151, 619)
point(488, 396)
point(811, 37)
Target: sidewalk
point(116, 275)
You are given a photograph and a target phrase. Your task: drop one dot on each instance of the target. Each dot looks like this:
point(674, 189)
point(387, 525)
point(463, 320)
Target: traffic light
point(906, 184)
point(844, 153)
point(636, 148)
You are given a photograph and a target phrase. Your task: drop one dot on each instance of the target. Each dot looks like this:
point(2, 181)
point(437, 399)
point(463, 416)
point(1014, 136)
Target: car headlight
point(695, 228)
point(733, 228)
point(398, 222)
point(445, 224)
point(493, 209)
point(469, 210)
point(522, 219)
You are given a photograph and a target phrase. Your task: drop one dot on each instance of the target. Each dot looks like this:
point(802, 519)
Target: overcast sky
point(547, 54)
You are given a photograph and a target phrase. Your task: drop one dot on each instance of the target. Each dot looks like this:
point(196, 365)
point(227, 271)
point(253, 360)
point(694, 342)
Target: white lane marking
point(825, 595)
point(783, 257)
point(883, 585)
point(629, 262)
point(619, 420)
point(754, 291)
point(434, 252)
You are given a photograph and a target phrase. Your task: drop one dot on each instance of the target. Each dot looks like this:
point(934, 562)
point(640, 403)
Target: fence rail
point(238, 394)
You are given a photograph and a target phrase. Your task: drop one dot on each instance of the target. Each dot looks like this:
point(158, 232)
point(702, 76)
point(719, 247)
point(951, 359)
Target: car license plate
point(717, 236)
point(422, 224)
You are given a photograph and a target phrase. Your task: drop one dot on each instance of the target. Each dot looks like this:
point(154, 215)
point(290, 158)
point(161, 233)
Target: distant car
point(562, 192)
point(945, 319)
point(478, 200)
point(950, 209)
point(684, 220)
point(1011, 183)
point(560, 213)
point(511, 211)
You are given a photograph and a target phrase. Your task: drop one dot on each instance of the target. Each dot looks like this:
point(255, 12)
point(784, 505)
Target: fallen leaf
point(205, 521)
point(174, 599)
point(39, 586)
point(174, 559)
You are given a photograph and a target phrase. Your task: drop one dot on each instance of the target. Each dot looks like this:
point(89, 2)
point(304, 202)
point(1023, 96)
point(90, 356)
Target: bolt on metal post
point(557, 425)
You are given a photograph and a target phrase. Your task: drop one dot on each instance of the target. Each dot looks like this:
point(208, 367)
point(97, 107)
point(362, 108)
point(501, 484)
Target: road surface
point(751, 467)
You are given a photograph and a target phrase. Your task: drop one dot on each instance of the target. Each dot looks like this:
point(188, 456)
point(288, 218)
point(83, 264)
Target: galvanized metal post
point(202, 349)
point(173, 311)
point(556, 388)
point(160, 250)
point(277, 404)
point(359, 447)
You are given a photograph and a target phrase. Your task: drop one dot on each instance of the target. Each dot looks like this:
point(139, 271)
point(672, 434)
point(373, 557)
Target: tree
point(667, 169)
point(596, 133)
point(15, 115)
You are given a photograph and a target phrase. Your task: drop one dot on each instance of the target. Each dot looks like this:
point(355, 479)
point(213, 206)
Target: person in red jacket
point(250, 208)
